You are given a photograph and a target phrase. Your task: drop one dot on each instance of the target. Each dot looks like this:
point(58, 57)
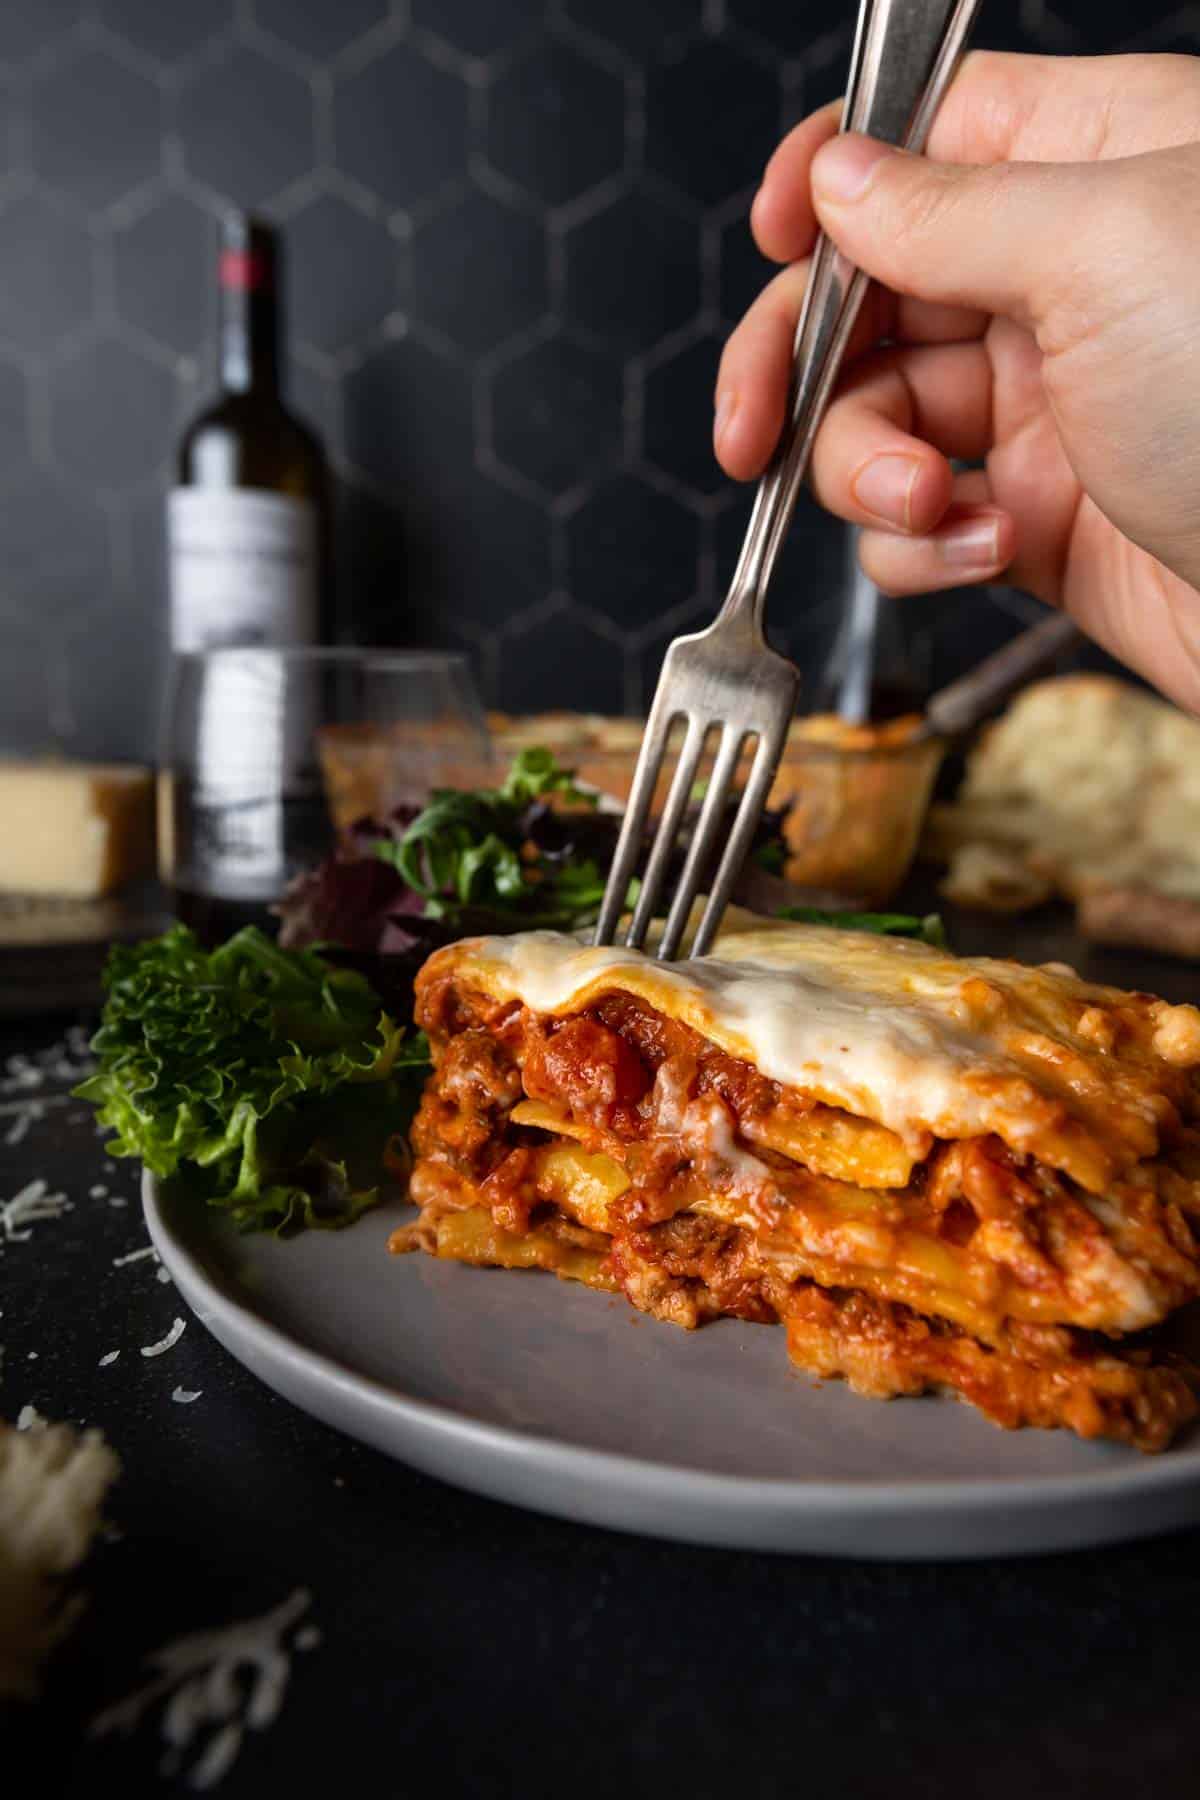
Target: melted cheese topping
point(889, 1029)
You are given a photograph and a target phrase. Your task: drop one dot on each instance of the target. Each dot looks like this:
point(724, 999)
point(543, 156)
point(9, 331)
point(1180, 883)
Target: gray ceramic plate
point(554, 1397)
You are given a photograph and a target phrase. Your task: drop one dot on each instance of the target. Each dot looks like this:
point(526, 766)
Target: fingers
point(881, 454)
point(754, 376)
point(991, 238)
point(975, 541)
point(753, 379)
point(1003, 108)
point(782, 217)
point(752, 382)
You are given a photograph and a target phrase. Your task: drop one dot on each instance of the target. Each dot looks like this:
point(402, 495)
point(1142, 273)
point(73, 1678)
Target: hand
point(1040, 312)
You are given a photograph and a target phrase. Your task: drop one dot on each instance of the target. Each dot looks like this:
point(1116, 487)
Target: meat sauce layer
point(689, 1270)
point(680, 1116)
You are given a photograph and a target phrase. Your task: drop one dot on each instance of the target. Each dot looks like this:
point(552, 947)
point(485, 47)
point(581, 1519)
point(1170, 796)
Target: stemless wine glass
point(268, 753)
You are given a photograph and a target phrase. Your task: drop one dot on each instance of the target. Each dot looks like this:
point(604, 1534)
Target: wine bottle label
point(242, 568)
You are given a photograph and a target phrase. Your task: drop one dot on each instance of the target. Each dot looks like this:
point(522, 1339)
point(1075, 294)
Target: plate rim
point(1156, 1476)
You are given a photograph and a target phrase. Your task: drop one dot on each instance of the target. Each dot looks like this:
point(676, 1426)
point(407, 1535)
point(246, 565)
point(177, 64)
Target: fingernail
point(842, 168)
point(726, 407)
point(969, 544)
point(884, 487)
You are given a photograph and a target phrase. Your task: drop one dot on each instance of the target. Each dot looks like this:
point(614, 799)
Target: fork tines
point(715, 682)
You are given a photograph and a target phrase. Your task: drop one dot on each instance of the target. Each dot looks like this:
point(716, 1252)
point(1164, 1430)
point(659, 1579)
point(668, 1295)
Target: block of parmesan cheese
point(73, 829)
point(53, 1480)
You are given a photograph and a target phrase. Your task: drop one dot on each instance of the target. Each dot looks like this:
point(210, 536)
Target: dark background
point(473, 1651)
point(517, 239)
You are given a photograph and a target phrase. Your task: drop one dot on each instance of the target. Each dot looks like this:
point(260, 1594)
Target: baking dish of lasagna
point(937, 1175)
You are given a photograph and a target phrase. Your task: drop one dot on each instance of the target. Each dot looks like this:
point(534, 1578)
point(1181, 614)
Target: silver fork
point(727, 679)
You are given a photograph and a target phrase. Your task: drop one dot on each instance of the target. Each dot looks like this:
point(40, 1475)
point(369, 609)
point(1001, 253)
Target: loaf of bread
point(1086, 785)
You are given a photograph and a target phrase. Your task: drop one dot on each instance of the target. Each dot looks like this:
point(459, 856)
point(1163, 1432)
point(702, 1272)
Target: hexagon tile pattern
point(556, 123)
point(400, 126)
point(165, 33)
point(274, 139)
point(516, 237)
point(90, 99)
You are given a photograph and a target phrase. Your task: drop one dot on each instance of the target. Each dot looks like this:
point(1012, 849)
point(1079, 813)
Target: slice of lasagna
point(966, 1176)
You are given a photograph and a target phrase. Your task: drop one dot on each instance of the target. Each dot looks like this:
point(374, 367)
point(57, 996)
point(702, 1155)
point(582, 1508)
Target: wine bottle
point(247, 524)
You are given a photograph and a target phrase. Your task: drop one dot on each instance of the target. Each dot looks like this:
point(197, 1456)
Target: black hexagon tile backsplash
point(516, 238)
point(630, 25)
point(712, 120)
point(165, 34)
point(400, 126)
point(787, 31)
point(49, 522)
point(28, 30)
point(479, 271)
point(677, 423)
point(320, 32)
point(162, 263)
point(47, 289)
point(408, 413)
point(245, 124)
point(556, 122)
point(14, 418)
point(560, 657)
point(633, 271)
point(556, 413)
point(478, 28)
point(95, 126)
point(352, 268)
point(633, 553)
point(111, 413)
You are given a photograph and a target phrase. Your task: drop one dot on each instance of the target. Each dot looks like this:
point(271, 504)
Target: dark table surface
point(467, 1648)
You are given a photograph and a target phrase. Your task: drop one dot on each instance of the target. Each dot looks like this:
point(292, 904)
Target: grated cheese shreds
point(69, 1062)
point(28, 1077)
point(25, 1113)
point(208, 1705)
point(119, 1262)
point(185, 1396)
point(167, 1343)
point(110, 1357)
point(217, 1760)
point(53, 1480)
point(30, 1206)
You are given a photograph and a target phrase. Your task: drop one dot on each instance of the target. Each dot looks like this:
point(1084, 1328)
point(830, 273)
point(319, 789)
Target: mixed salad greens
point(928, 929)
point(504, 850)
point(278, 1080)
point(530, 854)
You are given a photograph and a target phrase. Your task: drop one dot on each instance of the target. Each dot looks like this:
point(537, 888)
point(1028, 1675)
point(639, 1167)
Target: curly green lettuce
point(269, 1080)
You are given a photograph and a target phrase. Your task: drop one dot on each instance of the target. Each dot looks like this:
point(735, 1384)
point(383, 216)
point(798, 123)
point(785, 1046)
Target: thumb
point(1008, 238)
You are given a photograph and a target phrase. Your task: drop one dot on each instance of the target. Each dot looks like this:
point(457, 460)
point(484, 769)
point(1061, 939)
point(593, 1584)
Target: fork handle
point(904, 57)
